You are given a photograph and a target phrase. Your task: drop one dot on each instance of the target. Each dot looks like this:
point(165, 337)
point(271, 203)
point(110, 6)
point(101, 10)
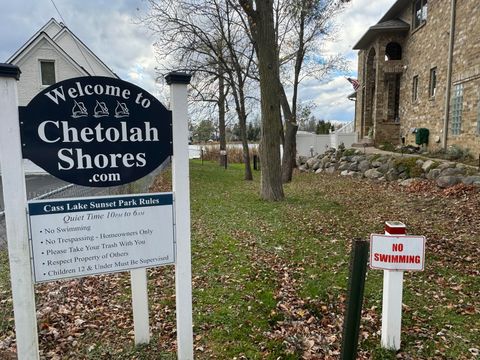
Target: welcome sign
point(96, 131)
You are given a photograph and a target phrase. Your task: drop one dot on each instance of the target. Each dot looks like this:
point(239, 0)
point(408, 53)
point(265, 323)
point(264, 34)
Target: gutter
point(448, 89)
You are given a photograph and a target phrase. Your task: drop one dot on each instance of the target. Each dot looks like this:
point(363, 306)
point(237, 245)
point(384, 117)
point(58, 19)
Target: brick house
point(419, 67)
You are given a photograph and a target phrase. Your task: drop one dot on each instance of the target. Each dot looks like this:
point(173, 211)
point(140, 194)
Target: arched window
point(393, 51)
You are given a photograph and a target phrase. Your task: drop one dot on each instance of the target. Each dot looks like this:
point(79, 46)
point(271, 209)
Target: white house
point(53, 54)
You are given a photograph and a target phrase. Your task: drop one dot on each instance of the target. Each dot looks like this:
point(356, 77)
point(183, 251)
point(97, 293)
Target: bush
point(234, 154)
point(410, 165)
point(349, 152)
point(387, 146)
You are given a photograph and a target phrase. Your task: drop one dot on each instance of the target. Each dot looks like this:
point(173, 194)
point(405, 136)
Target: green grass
point(250, 256)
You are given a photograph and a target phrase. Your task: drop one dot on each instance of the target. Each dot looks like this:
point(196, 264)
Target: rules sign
point(96, 131)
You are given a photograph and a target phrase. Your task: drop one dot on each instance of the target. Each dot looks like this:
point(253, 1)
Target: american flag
point(355, 83)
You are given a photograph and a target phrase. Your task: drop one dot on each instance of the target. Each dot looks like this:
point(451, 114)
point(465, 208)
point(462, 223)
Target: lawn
point(269, 279)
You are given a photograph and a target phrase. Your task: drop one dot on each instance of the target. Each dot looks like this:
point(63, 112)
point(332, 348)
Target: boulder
point(376, 164)
point(471, 180)
point(346, 173)
point(373, 174)
point(427, 165)
point(353, 166)
point(357, 174)
point(363, 166)
point(301, 160)
point(408, 182)
point(343, 166)
point(383, 168)
point(446, 165)
point(311, 162)
point(316, 165)
point(447, 181)
point(358, 158)
point(318, 171)
point(433, 174)
point(419, 162)
point(330, 170)
point(391, 175)
point(452, 171)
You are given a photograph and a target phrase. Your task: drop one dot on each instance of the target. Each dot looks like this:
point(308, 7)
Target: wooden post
point(356, 286)
point(141, 325)
point(14, 195)
point(181, 188)
point(392, 296)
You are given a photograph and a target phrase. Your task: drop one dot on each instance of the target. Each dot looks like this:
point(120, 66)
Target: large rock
point(471, 180)
point(330, 170)
point(408, 182)
point(427, 165)
point(376, 164)
point(433, 174)
point(357, 175)
point(447, 181)
point(353, 166)
point(391, 175)
point(452, 171)
point(446, 165)
point(311, 162)
point(358, 158)
point(363, 166)
point(373, 174)
point(301, 160)
point(383, 168)
point(316, 165)
point(343, 166)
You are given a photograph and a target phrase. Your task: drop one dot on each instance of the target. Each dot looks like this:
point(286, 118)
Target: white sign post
point(181, 187)
point(395, 252)
point(14, 195)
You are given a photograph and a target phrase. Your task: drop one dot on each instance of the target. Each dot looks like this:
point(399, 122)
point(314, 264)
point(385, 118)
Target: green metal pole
point(356, 285)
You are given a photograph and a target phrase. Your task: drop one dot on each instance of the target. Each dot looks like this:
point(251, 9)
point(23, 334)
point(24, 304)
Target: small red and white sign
point(389, 252)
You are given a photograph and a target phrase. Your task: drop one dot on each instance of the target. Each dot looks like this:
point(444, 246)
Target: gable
point(82, 54)
point(43, 48)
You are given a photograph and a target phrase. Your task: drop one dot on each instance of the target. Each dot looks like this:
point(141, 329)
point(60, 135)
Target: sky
point(110, 28)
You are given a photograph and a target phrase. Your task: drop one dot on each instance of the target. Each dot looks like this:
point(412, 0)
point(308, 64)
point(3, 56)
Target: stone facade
point(386, 101)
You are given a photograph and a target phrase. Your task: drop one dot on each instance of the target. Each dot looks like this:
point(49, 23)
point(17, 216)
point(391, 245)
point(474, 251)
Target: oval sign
point(96, 131)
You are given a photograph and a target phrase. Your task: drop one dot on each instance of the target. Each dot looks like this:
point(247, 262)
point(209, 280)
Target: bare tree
point(205, 37)
point(303, 25)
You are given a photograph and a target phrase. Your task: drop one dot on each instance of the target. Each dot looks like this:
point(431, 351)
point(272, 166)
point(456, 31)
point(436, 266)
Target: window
point(457, 108)
point(419, 13)
point(415, 88)
point(432, 88)
point(47, 70)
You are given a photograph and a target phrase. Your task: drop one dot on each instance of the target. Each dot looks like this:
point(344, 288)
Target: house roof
point(395, 10)
point(51, 32)
point(19, 55)
point(393, 25)
point(388, 22)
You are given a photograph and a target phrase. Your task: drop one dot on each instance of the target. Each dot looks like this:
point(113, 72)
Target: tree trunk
point(263, 31)
point(246, 151)
point(290, 140)
point(221, 113)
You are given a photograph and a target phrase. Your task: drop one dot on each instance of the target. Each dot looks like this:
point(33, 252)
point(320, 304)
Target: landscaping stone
point(447, 181)
point(427, 165)
point(364, 165)
point(472, 180)
point(390, 168)
point(373, 174)
point(408, 182)
point(452, 171)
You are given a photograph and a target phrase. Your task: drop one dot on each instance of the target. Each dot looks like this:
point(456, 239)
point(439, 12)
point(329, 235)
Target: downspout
point(446, 114)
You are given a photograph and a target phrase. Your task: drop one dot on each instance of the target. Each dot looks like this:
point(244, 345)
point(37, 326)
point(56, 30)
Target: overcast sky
point(109, 28)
